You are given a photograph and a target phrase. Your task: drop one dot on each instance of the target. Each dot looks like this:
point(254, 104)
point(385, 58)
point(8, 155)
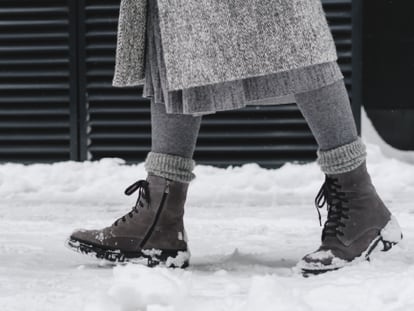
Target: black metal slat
point(34, 80)
point(119, 121)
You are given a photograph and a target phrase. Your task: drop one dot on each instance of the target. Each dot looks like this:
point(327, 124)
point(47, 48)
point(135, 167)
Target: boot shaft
point(169, 196)
point(167, 230)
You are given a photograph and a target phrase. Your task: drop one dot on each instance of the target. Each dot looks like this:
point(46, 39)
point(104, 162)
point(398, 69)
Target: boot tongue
point(334, 201)
point(142, 186)
point(334, 205)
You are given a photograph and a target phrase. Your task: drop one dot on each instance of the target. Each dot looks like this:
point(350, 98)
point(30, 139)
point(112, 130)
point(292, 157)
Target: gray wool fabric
point(174, 134)
point(275, 88)
point(209, 42)
point(329, 115)
point(174, 138)
point(342, 159)
point(327, 111)
point(130, 51)
point(170, 166)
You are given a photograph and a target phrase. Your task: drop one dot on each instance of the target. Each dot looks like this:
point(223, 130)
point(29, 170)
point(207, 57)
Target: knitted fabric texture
point(277, 88)
point(215, 41)
point(170, 166)
point(342, 159)
point(130, 44)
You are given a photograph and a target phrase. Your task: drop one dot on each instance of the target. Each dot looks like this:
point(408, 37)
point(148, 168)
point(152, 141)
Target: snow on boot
point(358, 222)
point(151, 233)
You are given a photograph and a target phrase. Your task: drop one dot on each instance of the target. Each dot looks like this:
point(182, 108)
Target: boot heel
point(391, 234)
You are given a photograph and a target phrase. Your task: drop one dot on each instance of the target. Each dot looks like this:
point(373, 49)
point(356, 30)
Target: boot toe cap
point(92, 236)
point(321, 260)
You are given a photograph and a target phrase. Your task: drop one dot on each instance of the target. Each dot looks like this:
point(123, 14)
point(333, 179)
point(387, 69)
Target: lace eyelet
point(142, 187)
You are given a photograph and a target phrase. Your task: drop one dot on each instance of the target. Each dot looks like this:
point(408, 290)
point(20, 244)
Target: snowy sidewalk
point(247, 226)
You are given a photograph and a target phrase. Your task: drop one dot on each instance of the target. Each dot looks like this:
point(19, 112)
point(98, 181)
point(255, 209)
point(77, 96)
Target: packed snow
point(247, 228)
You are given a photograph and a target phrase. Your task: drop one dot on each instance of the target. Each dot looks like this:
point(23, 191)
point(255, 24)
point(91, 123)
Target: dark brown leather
point(367, 214)
point(167, 232)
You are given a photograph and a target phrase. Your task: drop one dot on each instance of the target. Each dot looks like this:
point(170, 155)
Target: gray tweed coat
point(212, 41)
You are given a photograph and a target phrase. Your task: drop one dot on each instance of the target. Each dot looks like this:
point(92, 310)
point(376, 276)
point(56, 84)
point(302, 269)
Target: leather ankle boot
point(358, 222)
point(151, 233)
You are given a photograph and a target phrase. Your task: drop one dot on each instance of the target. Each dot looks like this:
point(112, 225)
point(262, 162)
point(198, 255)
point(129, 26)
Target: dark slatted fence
point(57, 102)
point(35, 83)
point(117, 119)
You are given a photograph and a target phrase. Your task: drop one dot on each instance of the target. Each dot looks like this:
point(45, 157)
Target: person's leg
point(153, 232)
point(174, 138)
point(328, 113)
point(357, 220)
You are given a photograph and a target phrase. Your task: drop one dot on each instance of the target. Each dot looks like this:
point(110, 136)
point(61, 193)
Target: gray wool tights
point(327, 111)
point(174, 138)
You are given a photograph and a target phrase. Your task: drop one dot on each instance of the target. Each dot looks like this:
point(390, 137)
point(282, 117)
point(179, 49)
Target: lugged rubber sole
point(389, 236)
point(149, 257)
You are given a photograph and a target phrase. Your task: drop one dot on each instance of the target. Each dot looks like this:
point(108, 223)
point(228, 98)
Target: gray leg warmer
point(342, 159)
point(328, 113)
point(170, 166)
point(174, 138)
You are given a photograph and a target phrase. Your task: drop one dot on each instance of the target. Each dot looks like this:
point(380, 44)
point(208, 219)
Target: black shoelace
point(331, 195)
point(143, 194)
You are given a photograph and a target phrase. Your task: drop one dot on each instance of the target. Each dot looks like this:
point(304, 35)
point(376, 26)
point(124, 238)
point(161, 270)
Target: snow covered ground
point(248, 227)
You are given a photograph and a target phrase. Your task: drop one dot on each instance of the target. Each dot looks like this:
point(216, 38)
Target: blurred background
point(57, 102)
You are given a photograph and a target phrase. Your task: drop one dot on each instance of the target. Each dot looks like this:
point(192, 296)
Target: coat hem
point(266, 101)
point(181, 86)
point(130, 82)
point(116, 82)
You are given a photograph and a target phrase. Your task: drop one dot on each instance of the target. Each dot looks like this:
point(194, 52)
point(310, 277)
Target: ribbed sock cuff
point(342, 159)
point(170, 166)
